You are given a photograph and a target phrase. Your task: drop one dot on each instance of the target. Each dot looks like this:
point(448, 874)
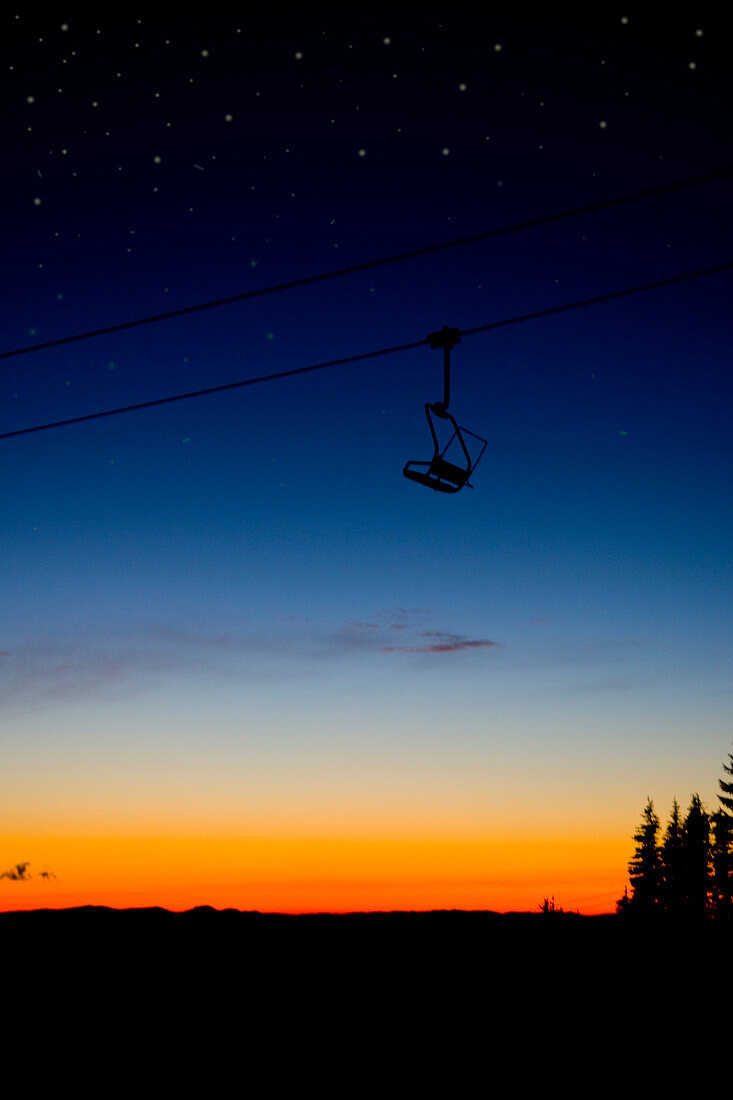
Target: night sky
point(243, 660)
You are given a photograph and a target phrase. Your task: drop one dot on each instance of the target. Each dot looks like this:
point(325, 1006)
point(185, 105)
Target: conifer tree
point(622, 905)
point(672, 858)
point(645, 864)
point(695, 862)
point(722, 849)
point(722, 861)
point(727, 797)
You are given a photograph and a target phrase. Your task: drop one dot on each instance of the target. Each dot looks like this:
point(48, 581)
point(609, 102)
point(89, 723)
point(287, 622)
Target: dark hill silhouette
point(281, 943)
point(321, 971)
point(87, 915)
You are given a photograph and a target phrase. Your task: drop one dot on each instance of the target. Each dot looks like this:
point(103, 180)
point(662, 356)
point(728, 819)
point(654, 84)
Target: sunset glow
point(317, 874)
point(244, 661)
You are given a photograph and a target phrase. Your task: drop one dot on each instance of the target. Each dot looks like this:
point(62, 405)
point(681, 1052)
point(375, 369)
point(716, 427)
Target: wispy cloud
point(444, 642)
point(350, 638)
point(20, 873)
point(54, 667)
point(376, 637)
point(455, 645)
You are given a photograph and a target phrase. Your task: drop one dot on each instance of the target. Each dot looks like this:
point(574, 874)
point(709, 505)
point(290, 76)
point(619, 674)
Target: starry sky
point(243, 660)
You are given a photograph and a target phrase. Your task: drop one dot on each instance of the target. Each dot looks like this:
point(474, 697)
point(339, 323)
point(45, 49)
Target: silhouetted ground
point(156, 914)
point(253, 922)
point(440, 934)
point(527, 989)
point(250, 925)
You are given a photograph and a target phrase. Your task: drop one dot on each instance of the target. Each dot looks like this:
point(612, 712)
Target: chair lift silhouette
point(442, 475)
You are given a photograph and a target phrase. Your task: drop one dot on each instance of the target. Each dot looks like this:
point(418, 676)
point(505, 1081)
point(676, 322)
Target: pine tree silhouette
point(622, 905)
point(695, 862)
point(691, 873)
point(672, 859)
point(722, 849)
point(727, 797)
point(645, 865)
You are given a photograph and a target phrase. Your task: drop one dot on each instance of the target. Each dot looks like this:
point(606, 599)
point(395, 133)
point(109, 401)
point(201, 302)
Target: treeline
point(688, 870)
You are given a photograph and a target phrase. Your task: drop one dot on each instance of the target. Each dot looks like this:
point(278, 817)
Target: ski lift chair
point(439, 473)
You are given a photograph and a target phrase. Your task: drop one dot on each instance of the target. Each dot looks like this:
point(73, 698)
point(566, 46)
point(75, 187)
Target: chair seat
point(448, 471)
point(424, 477)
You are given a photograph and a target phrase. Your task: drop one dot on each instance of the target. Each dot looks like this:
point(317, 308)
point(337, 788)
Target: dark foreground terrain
point(522, 990)
point(99, 915)
point(460, 928)
point(439, 936)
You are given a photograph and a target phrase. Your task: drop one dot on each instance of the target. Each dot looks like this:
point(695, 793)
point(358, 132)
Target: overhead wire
point(518, 319)
point(531, 223)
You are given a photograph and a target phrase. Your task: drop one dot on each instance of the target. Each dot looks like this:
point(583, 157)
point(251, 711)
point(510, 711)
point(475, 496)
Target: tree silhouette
point(695, 863)
point(672, 860)
point(722, 849)
point(645, 864)
point(622, 905)
point(691, 873)
point(727, 797)
point(722, 861)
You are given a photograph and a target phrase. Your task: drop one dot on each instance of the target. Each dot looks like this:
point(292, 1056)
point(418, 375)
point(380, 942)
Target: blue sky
point(243, 586)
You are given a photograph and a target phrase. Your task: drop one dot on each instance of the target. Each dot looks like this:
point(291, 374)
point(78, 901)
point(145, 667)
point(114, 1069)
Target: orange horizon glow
point(319, 874)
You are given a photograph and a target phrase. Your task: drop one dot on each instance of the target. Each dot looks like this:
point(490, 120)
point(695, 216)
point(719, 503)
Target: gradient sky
point(243, 661)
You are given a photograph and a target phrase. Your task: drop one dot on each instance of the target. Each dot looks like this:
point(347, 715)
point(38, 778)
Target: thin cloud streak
point(53, 667)
point(443, 647)
point(20, 873)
